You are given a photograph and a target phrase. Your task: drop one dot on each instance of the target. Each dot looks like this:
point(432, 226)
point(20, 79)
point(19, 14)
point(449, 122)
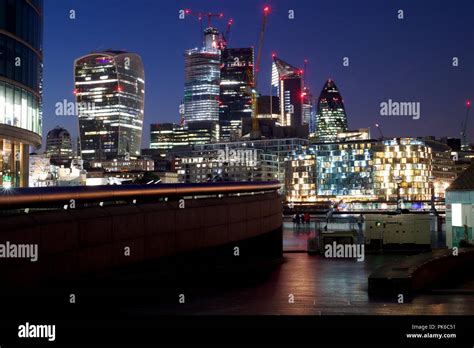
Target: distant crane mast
point(255, 132)
point(380, 131)
point(305, 67)
point(226, 34)
point(200, 16)
point(465, 143)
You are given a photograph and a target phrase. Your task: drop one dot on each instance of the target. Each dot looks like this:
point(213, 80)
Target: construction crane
point(465, 143)
point(305, 67)
point(200, 16)
point(380, 130)
point(255, 133)
point(226, 35)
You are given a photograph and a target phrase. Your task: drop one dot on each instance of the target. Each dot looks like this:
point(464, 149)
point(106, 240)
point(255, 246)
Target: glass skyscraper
point(202, 80)
point(110, 94)
point(308, 109)
point(21, 57)
point(331, 116)
point(287, 84)
point(235, 101)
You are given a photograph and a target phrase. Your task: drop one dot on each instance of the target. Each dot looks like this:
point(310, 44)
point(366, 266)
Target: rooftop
point(465, 182)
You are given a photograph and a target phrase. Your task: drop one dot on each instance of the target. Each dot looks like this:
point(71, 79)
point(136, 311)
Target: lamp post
point(398, 180)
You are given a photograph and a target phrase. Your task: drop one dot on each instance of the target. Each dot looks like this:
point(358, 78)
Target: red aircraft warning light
point(266, 9)
point(468, 103)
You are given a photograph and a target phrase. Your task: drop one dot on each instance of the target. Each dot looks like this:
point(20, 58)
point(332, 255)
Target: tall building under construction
point(287, 84)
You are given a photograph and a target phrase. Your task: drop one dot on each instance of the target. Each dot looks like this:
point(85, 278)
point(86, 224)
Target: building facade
point(282, 148)
point(166, 136)
point(21, 70)
point(408, 161)
point(444, 167)
point(309, 116)
point(362, 170)
point(124, 166)
point(110, 95)
point(162, 136)
point(331, 116)
point(460, 209)
point(287, 84)
point(269, 108)
point(235, 101)
point(226, 165)
point(59, 146)
point(345, 169)
point(300, 178)
point(202, 70)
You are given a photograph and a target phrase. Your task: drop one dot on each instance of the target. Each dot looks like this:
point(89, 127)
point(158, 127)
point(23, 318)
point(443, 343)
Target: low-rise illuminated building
point(351, 135)
point(165, 136)
point(300, 178)
point(444, 167)
point(365, 170)
point(345, 169)
point(402, 167)
point(282, 148)
point(131, 165)
point(234, 165)
point(42, 173)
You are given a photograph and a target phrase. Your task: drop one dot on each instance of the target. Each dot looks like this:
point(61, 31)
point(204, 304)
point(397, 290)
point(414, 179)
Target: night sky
point(403, 60)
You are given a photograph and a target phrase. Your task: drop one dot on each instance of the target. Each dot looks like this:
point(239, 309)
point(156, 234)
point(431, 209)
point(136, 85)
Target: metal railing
point(53, 197)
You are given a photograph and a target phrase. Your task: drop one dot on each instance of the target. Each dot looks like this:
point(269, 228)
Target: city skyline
point(404, 59)
point(199, 190)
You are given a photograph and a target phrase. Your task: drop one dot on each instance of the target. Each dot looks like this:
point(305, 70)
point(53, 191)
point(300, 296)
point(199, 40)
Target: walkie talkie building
point(110, 95)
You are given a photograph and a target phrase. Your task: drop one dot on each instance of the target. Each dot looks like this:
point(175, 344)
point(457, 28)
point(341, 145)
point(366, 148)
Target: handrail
point(25, 197)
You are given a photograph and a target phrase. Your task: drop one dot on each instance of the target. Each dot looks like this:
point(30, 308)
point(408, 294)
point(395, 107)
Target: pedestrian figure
point(307, 218)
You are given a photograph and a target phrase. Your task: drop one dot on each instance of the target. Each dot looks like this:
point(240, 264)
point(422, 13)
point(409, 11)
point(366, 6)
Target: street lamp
point(398, 180)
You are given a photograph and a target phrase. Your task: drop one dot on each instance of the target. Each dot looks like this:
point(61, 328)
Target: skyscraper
point(21, 57)
point(308, 109)
point(331, 116)
point(269, 107)
point(110, 92)
point(235, 102)
point(59, 146)
point(162, 136)
point(287, 84)
point(202, 80)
